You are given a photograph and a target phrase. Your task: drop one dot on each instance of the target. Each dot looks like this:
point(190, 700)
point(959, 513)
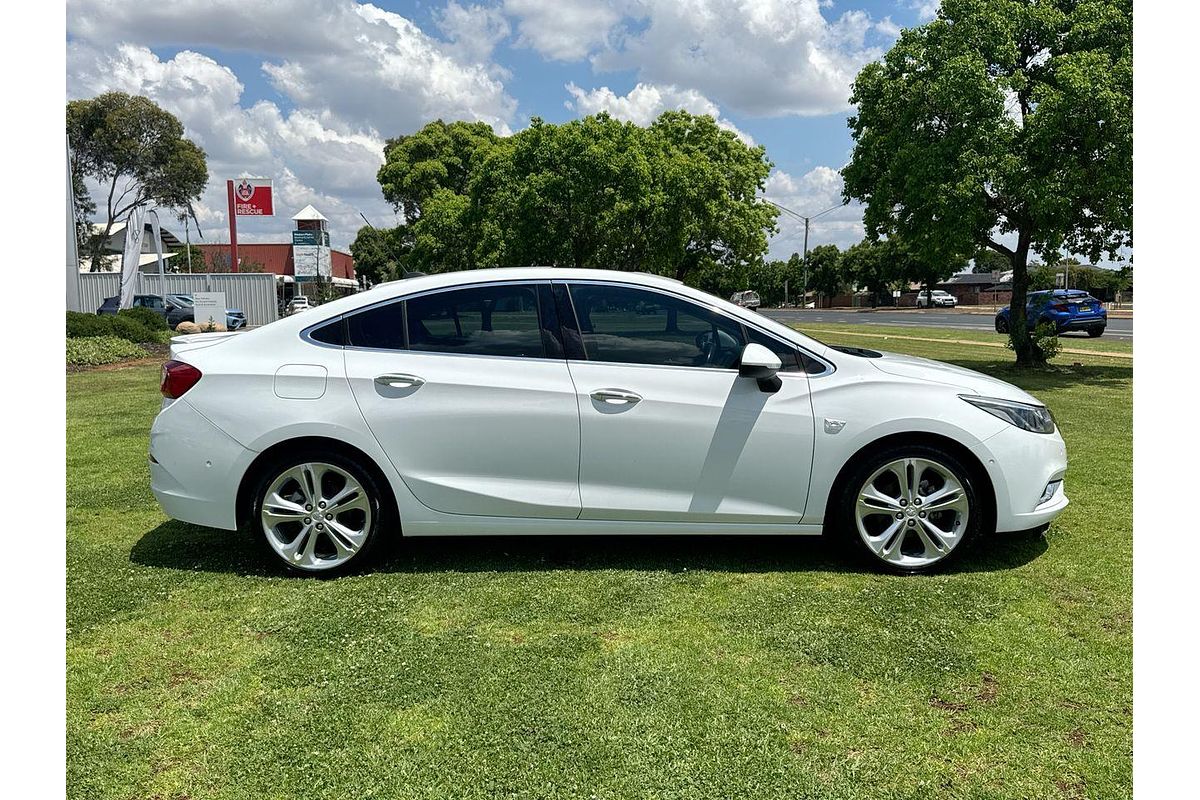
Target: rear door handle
point(616, 397)
point(400, 381)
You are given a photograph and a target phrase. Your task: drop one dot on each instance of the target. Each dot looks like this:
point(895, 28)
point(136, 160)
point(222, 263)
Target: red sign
point(252, 197)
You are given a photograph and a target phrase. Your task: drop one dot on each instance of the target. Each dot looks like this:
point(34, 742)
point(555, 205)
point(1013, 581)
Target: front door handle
point(400, 381)
point(616, 397)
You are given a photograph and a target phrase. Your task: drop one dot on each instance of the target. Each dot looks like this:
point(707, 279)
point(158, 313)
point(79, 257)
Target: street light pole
point(807, 220)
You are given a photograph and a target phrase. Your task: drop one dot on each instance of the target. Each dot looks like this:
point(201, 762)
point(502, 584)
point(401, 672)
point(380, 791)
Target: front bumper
point(195, 467)
point(1021, 465)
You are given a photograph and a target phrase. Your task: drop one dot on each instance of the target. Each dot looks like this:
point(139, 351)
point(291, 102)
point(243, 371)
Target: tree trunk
point(1018, 330)
point(97, 245)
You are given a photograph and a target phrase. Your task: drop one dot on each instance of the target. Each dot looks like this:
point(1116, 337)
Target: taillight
point(177, 378)
point(1060, 307)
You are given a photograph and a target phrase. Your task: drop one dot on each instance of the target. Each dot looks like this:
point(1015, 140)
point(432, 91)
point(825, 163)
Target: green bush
point(1045, 341)
point(124, 325)
point(81, 325)
point(149, 319)
point(96, 350)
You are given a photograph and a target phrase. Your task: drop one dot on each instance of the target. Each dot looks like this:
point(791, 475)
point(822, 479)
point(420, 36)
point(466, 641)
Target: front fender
point(871, 410)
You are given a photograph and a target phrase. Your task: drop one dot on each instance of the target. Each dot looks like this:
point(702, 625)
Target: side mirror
point(761, 364)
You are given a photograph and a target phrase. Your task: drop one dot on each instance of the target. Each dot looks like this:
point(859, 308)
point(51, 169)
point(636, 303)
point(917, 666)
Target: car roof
point(383, 292)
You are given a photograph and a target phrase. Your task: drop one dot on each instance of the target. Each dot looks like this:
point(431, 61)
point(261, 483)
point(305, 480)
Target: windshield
point(183, 300)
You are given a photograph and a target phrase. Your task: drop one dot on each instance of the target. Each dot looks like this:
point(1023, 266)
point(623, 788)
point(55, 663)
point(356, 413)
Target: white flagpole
point(73, 301)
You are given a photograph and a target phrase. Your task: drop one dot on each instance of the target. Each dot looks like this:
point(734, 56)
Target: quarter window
point(381, 327)
point(635, 326)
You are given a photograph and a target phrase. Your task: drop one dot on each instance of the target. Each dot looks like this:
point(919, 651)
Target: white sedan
point(559, 401)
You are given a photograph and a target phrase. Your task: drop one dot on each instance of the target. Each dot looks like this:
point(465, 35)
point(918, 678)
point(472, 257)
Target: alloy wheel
point(912, 512)
point(316, 516)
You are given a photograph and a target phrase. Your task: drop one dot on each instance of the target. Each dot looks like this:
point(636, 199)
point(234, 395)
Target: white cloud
point(809, 194)
point(762, 57)
point(645, 102)
point(474, 31)
point(564, 30)
point(351, 59)
point(926, 9)
point(301, 149)
point(352, 75)
point(888, 28)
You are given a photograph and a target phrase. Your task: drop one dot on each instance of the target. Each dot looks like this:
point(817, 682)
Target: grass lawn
point(887, 337)
point(548, 667)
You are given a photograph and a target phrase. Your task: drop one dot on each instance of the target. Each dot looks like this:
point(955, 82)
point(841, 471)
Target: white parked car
point(747, 299)
point(936, 298)
point(539, 400)
point(298, 303)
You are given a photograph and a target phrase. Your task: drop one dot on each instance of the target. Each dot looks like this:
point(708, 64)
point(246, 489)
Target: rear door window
point(479, 320)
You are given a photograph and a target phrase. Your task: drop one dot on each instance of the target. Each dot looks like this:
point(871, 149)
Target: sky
point(307, 92)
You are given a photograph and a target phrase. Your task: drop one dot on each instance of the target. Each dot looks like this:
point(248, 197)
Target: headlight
point(1036, 419)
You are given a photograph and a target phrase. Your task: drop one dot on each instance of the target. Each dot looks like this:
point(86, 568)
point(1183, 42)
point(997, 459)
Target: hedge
point(96, 350)
point(127, 326)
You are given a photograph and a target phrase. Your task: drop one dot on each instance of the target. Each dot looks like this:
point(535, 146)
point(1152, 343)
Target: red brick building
point(310, 236)
point(276, 258)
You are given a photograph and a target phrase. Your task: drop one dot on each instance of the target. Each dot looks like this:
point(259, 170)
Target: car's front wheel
point(1001, 325)
point(319, 513)
point(909, 508)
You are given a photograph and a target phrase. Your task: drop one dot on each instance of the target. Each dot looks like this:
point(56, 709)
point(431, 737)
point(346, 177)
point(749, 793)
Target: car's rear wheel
point(909, 508)
point(1001, 325)
point(318, 513)
point(1095, 330)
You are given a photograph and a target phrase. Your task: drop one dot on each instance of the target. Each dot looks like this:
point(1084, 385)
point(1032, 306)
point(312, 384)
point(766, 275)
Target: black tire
point(380, 518)
point(1001, 325)
point(844, 518)
point(1095, 331)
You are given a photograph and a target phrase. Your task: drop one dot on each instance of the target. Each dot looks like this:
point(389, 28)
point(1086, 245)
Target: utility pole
point(804, 296)
point(807, 220)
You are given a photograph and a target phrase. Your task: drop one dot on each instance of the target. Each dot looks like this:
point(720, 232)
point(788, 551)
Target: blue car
point(1065, 309)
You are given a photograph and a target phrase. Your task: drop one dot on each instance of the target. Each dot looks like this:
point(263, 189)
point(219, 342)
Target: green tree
point(380, 254)
point(198, 260)
point(1041, 277)
point(873, 265)
point(135, 150)
point(679, 198)
point(826, 272)
point(439, 156)
point(988, 261)
point(1001, 117)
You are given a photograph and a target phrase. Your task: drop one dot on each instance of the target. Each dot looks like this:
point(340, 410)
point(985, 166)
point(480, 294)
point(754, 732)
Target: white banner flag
point(157, 234)
point(132, 255)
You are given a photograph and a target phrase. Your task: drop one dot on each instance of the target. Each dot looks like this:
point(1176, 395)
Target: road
point(1120, 329)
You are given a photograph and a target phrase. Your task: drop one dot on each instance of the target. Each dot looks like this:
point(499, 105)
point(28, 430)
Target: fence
point(253, 293)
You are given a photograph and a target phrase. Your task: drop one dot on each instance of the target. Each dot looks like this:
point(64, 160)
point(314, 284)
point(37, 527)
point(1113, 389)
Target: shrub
point(125, 326)
point(1045, 341)
point(80, 325)
point(96, 350)
point(149, 319)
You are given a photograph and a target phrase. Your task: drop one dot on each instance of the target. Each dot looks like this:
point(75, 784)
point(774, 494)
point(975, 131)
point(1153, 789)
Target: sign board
point(209, 307)
point(252, 197)
point(310, 238)
point(311, 261)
